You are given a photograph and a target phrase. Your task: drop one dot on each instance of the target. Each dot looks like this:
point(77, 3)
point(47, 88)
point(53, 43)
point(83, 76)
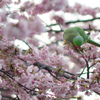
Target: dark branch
point(77, 21)
point(57, 31)
point(50, 69)
point(24, 87)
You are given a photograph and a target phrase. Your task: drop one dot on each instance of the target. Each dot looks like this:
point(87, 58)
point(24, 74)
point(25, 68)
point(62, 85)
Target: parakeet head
point(78, 40)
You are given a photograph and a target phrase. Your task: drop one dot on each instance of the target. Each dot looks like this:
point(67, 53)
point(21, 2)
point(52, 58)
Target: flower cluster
point(51, 71)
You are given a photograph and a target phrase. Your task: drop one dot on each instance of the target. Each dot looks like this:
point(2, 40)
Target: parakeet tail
point(93, 42)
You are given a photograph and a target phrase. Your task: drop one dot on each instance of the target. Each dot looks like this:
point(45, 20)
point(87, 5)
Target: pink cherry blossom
point(53, 70)
point(47, 6)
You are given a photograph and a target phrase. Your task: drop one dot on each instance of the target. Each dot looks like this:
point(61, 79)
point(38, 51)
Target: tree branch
point(77, 21)
point(57, 31)
point(24, 87)
point(54, 70)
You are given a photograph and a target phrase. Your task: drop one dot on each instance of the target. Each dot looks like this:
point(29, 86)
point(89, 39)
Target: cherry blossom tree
point(50, 71)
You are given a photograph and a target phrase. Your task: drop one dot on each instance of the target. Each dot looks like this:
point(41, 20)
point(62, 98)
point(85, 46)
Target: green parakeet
point(77, 36)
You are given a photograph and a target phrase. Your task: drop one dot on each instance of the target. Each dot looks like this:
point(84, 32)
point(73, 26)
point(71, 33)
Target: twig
point(87, 65)
point(54, 70)
point(24, 87)
point(82, 71)
point(75, 21)
point(58, 31)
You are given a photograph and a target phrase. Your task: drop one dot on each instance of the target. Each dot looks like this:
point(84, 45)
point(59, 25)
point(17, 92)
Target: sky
point(90, 3)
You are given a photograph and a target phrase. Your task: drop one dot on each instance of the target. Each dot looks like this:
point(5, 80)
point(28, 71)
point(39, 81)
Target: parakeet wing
point(70, 33)
point(77, 34)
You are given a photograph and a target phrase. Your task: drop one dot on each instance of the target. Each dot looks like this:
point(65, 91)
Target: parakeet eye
point(78, 40)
